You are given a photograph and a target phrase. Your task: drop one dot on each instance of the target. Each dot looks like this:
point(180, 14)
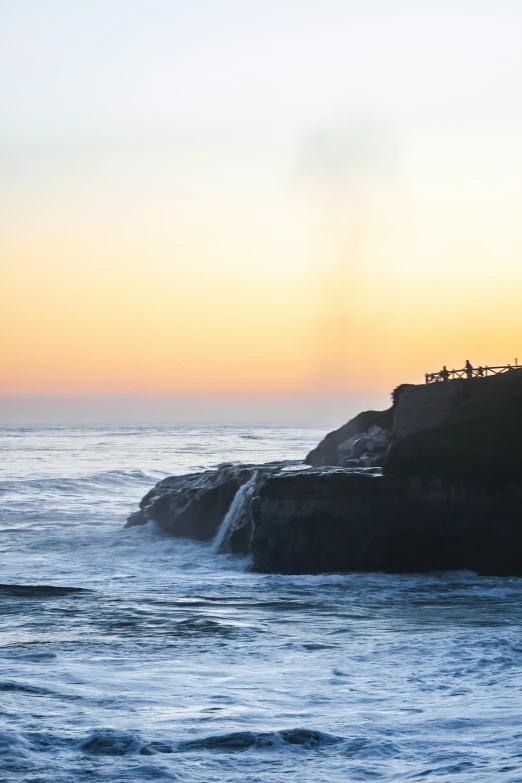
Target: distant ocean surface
point(177, 664)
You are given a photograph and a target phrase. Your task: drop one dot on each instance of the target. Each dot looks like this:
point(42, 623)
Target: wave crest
point(110, 742)
point(243, 740)
point(91, 481)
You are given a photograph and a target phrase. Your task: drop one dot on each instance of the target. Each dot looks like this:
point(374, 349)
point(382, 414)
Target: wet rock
point(235, 532)
point(236, 538)
point(339, 521)
point(195, 505)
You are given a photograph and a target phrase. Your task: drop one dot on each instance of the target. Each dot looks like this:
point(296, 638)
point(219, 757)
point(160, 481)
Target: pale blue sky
point(102, 69)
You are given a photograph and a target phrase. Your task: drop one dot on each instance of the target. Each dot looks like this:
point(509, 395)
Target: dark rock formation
point(235, 532)
point(192, 506)
point(365, 450)
point(450, 496)
point(478, 443)
point(421, 406)
point(366, 439)
point(195, 505)
point(338, 521)
point(330, 450)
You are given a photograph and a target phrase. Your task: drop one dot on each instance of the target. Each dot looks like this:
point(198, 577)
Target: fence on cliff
point(471, 372)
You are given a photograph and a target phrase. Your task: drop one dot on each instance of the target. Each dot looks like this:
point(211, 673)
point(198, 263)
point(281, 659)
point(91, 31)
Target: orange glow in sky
point(198, 220)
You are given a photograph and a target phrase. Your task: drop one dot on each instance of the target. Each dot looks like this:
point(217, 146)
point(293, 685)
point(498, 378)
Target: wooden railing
point(470, 372)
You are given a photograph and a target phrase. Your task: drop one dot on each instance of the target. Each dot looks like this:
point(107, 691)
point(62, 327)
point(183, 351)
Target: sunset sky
point(244, 210)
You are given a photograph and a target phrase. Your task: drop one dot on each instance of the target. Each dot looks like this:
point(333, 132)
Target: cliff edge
point(479, 441)
point(463, 430)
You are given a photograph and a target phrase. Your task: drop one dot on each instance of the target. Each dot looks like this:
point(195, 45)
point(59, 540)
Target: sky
point(254, 211)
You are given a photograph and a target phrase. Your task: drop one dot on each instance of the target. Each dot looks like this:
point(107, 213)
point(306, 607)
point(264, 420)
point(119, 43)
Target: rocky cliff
point(341, 521)
point(478, 443)
point(192, 506)
point(198, 504)
point(350, 440)
point(481, 409)
point(450, 496)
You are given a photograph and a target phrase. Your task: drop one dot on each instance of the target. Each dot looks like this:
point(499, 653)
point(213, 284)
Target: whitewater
point(126, 655)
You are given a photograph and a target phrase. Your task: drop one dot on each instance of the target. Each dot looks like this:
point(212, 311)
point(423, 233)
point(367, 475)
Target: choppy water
point(175, 663)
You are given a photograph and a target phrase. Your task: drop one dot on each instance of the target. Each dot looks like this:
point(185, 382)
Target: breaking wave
point(86, 483)
point(110, 742)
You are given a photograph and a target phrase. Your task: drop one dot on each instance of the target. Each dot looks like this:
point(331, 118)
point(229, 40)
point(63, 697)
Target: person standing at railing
point(469, 369)
point(444, 373)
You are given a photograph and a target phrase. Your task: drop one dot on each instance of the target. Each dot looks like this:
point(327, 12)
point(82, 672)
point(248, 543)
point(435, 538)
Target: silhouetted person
point(444, 373)
point(480, 371)
point(469, 369)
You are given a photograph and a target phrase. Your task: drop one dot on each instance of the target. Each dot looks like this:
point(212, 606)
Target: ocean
point(126, 655)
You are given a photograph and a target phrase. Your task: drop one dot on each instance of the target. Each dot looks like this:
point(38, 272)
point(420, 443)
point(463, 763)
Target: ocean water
point(129, 656)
